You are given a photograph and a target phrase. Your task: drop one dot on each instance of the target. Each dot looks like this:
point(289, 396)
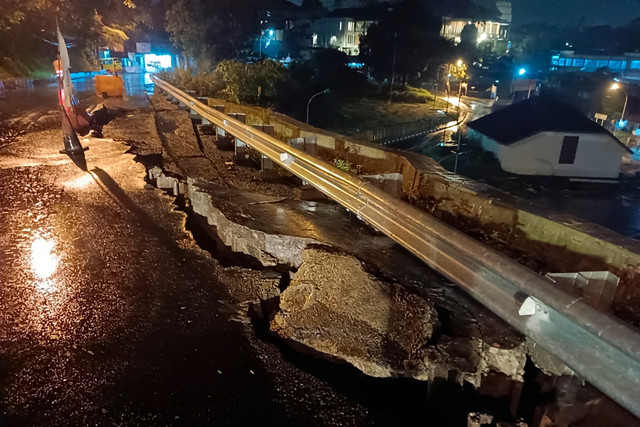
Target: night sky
point(569, 12)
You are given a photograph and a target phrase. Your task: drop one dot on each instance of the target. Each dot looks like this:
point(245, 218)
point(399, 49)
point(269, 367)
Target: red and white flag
point(67, 86)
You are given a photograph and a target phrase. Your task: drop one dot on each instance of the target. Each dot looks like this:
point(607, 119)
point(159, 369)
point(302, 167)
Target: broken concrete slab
point(267, 248)
point(335, 308)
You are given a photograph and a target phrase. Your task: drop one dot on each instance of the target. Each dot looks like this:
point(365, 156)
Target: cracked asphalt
point(110, 314)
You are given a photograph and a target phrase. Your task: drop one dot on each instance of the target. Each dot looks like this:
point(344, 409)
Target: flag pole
point(65, 97)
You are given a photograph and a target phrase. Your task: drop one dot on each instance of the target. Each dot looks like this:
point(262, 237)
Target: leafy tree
point(469, 42)
point(27, 26)
point(410, 34)
point(469, 34)
point(250, 83)
point(213, 31)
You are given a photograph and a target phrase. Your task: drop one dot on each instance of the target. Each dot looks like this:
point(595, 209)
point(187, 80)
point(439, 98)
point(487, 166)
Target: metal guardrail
point(597, 346)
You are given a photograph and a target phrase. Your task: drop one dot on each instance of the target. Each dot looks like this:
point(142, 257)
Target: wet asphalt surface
point(110, 314)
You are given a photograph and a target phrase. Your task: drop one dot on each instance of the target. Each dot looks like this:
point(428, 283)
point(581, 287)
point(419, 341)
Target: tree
point(410, 34)
point(469, 34)
point(250, 83)
point(26, 26)
point(213, 31)
point(468, 45)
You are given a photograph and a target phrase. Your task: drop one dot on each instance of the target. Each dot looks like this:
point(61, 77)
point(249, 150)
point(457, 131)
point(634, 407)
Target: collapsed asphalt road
point(110, 314)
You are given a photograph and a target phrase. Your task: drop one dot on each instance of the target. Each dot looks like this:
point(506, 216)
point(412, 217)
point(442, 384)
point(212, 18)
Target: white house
point(342, 28)
point(542, 137)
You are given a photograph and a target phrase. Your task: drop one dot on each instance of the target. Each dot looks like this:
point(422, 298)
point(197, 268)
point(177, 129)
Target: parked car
point(111, 65)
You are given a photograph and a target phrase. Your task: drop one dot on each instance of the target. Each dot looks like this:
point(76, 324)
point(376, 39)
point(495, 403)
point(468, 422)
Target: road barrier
point(597, 346)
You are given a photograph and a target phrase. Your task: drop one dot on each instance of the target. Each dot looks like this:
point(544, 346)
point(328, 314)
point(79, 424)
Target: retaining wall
point(509, 224)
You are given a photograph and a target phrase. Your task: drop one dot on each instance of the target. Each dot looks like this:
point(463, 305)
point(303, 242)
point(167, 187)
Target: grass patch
point(366, 114)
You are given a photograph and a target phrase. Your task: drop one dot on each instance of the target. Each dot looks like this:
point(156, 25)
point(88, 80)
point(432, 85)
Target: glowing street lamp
point(459, 63)
point(616, 86)
point(522, 71)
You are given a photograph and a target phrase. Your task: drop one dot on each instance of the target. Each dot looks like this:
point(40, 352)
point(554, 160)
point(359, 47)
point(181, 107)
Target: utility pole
point(455, 166)
point(393, 64)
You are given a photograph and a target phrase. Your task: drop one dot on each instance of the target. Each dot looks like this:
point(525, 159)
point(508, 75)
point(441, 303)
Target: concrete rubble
point(333, 307)
point(338, 310)
point(269, 249)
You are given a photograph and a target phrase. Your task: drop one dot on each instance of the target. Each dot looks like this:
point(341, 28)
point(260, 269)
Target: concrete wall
point(506, 223)
point(598, 156)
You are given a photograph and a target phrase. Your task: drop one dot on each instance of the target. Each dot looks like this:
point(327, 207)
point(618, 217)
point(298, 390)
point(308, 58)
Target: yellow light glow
point(43, 261)
point(459, 62)
point(82, 181)
point(615, 86)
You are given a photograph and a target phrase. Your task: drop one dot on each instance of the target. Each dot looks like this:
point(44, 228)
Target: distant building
point(542, 137)
point(628, 65)
point(491, 28)
point(488, 30)
point(342, 28)
point(345, 4)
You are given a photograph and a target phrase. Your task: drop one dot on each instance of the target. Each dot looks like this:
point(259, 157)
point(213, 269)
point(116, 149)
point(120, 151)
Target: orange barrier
point(112, 86)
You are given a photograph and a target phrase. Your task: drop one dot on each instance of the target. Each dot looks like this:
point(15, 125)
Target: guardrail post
point(267, 166)
point(194, 116)
point(206, 127)
point(308, 144)
point(241, 154)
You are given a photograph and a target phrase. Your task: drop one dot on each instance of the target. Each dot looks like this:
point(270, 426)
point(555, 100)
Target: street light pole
point(393, 65)
point(455, 166)
point(311, 99)
point(617, 86)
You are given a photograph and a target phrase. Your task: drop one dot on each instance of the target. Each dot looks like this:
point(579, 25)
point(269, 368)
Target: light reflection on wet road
point(111, 315)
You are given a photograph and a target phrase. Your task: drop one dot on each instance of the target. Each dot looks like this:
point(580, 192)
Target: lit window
point(350, 26)
point(590, 63)
point(561, 62)
point(614, 65)
point(340, 26)
point(635, 65)
point(578, 62)
point(602, 63)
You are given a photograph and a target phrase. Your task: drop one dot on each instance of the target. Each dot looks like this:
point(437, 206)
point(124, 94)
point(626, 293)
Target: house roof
point(535, 115)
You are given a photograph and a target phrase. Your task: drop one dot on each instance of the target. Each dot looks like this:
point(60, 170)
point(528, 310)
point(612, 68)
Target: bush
point(343, 165)
point(411, 95)
point(204, 84)
point(251, 83)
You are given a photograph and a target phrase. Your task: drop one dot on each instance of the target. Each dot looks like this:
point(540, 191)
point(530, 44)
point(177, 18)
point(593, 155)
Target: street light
point(616, 86)
point(455, 166)
point(311, 99)
point(269, 33)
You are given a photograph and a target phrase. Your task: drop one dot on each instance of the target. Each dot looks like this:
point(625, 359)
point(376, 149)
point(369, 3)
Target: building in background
point(494, 30)
point(342, 28)
point(141, 57)
point(542, 137)
point(627, 65)
point(488, 30)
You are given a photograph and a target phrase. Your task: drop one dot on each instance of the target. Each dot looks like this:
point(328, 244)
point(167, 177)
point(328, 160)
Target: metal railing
point(597, 346)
